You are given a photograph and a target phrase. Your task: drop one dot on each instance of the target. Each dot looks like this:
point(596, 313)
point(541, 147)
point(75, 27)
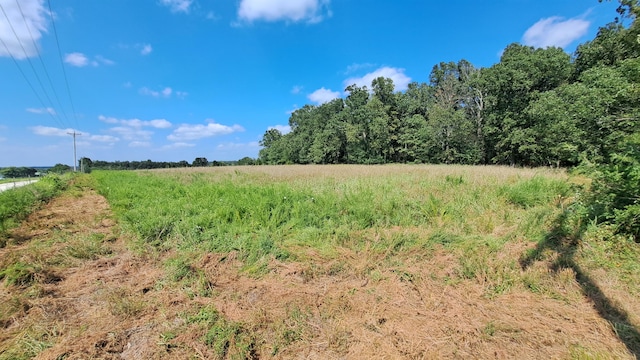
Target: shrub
point(616, 189)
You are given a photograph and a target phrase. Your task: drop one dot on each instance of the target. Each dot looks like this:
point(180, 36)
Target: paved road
point(11, 185)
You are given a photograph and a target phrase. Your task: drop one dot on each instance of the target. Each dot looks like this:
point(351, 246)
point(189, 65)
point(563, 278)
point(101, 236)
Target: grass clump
point(535, 191)
point(20, 273)
point(227, 339)
point(89, 247)
point(29, 343)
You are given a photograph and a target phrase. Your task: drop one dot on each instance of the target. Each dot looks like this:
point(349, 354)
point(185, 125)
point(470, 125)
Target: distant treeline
point(13, 172)
point(86, 164)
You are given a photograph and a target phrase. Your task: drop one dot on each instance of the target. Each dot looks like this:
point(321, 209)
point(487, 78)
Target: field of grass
point(284, 213)
point(392, 261)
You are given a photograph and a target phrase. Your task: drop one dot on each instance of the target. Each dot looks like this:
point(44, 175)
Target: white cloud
point(146, 49)
point(51, 131)
point(555, 31)
point(400, 80)
point(48, 110)
point(312, 11)
point(33, 25)
point(104, 138)
point(164, 93)
point(159, 123)
point(76, 59)
point(199, 131)
point(323, 95)
point(137, 123)
point(235, 146)
point(132, 129)
point(284, 129)
point(80, 60)
point(355, 67)
point(139, 144)
point(146, 91)
point(84, 137)
point(178, 145)
point(101, 60)
point(177, 5)
point(129, 133)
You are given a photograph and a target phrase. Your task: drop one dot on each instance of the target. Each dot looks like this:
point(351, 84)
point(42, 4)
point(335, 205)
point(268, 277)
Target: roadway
point(11, 185)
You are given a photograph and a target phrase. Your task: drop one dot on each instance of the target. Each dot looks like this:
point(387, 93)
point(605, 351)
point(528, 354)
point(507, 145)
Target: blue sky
point(172, 80)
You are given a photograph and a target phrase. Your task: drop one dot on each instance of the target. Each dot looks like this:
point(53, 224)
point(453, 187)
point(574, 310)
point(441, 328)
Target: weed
point(454, 180)
point(29, 343)
point(20, 274)
point(179, 268)
point(124, 304)
point(489, 329)
point(88, 248)
point(228, 339)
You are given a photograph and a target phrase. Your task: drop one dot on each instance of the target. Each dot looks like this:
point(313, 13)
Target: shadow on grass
point(564, 240)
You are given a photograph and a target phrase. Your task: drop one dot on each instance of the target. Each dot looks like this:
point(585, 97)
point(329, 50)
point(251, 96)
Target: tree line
point(86, 164)
point(536, 107)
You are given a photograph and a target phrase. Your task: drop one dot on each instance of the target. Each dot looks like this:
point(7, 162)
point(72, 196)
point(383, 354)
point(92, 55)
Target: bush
point(616, 189)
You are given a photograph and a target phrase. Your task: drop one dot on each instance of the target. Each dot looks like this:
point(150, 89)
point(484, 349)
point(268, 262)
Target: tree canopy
point(535, 107)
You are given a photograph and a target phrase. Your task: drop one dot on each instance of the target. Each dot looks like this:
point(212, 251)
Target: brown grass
point(301, 173)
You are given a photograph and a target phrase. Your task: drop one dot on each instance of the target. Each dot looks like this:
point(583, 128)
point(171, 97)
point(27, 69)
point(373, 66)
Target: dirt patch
point(122, 304)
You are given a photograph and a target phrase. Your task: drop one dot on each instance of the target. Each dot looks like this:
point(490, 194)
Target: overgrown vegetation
point(263, 218)
point(16, 204)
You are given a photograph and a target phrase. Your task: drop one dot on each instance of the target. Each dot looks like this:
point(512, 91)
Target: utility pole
point(74, 134)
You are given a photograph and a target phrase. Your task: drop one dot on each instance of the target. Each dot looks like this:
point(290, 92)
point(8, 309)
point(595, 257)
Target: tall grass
point(16, 204)
point(262, 213)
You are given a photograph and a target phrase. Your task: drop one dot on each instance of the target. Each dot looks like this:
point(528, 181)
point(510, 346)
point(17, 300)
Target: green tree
point(272, 147)
point(522, 73)
point(200, 162)
point(246, 161)
point(60, 168)
point(85, 164)
point(384, 90)
point(355, 120)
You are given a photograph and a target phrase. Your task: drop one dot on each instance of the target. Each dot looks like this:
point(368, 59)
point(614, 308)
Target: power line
point(27, 79)
point(55, 93)
point(29, 60)
point(66, 80)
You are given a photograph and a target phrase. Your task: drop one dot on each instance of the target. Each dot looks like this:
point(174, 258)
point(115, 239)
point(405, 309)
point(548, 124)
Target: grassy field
point(391, 261)
point(281, 209)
